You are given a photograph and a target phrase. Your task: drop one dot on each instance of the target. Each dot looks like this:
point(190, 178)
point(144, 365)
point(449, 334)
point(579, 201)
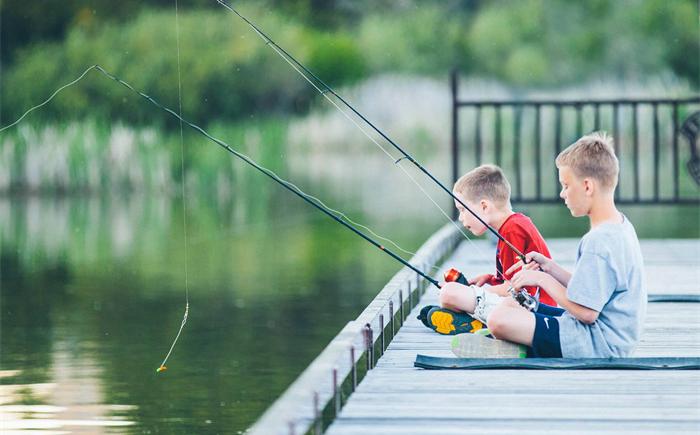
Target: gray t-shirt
point(608, 278)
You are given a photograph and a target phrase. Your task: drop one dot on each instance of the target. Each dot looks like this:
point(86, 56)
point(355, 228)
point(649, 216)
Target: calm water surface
point(93, 291)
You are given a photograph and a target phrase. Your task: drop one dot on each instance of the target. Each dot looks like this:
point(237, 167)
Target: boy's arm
point(499, 289)
point(562, 275)
point(557, 291)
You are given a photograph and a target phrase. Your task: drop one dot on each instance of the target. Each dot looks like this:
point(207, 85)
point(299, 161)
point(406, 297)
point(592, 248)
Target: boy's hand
point(481, 279)
point(535, 261)
point(527, 278)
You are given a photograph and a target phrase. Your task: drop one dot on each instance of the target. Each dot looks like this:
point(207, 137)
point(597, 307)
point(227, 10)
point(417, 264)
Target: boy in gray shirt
point(603, 302)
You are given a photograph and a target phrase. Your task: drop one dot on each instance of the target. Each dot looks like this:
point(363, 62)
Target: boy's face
point(467, 219)
point(575, 192)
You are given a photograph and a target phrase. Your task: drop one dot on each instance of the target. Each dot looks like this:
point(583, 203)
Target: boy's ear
point(589, 186)
point(484, 204)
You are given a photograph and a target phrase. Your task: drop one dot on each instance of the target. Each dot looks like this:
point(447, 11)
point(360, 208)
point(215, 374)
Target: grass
point(94, 157)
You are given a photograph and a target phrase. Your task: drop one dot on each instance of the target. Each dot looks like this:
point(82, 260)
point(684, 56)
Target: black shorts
point(546, 343)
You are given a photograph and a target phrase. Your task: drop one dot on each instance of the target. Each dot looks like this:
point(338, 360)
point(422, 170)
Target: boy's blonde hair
point(484, 182)
point(592, 156)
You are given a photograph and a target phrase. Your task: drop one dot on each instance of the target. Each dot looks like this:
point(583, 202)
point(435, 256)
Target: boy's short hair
point(592, 156)
point(484, 182)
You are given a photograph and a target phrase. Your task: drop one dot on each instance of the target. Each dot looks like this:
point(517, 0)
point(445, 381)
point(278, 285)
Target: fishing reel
point(527, 301)
point(454, 275)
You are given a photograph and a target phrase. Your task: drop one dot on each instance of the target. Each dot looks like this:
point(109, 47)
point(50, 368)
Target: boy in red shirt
point(486, 191)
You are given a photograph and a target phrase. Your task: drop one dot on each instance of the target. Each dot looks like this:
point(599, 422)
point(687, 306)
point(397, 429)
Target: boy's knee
point(448, 298)
point(498, 321)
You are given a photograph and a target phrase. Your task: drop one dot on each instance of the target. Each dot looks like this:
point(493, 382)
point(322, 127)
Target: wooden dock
point(394, 397)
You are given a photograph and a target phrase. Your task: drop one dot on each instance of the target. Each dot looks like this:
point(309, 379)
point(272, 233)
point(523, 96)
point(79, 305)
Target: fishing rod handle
point(454, 275)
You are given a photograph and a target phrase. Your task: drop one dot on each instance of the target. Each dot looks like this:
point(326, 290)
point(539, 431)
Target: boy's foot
point(482, 345)
point(448, 322)
point(423, 315)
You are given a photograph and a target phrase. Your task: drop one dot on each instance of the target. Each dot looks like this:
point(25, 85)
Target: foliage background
point(229, 74)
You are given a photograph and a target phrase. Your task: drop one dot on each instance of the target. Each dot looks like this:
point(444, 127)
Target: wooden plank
point(459, 426)
point(397, 398)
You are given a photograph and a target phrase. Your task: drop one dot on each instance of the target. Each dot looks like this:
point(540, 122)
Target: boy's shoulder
point(518, 223)
point(610, 239)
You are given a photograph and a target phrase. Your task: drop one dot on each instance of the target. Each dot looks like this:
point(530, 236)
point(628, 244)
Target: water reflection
point(93, 289)
point(75, 385)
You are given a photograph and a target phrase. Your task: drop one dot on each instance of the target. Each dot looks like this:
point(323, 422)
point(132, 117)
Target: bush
point(226, 70)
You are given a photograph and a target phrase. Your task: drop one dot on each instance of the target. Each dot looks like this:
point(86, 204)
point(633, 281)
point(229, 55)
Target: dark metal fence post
point(579, 120)
point(557, 141)
point(657, 151)
point(336, 391)
point(538, 154)
point(477, 135)
point(516, 150)
point(369, 349)
point(497, 135)
point(354, 368)
point(317, 415)
point(370, 340)
point(616, 140)
point(676, 180)
point(454, 77)
point(635, 156)
point(381, 329)
point(391, 318)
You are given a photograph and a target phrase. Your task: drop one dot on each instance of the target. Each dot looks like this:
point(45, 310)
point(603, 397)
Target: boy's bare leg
point(508, 321)
point(457, 298)
point(512, 323)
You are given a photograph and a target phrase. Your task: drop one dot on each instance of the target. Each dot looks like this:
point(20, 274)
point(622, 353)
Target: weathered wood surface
point(396, 398)
point(296, 410)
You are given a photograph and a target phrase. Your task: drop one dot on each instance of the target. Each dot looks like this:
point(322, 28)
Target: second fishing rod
point(299, 67)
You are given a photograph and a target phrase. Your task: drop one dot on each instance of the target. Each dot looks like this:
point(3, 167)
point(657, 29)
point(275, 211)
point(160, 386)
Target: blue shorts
point(545, 343)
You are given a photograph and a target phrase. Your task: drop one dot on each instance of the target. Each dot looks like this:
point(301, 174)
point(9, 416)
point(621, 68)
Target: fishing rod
point(295, 190)
point(327, 89)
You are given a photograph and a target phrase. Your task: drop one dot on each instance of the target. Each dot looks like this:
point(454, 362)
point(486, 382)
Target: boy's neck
point(499, 217)
point(604, 211)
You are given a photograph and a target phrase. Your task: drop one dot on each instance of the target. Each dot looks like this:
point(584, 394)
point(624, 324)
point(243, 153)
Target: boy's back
point(609, 279)
point(522, 233)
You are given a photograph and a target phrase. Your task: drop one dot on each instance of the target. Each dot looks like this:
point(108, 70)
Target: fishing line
point(307, 75)
point(48, 99)
point(288, 185)
point(184, 197)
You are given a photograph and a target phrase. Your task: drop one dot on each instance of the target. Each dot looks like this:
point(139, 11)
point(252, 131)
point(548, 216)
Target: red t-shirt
point(519, 230)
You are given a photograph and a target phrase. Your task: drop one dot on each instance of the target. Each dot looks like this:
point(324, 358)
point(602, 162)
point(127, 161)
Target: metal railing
point(317, 396)
point(525, 136)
